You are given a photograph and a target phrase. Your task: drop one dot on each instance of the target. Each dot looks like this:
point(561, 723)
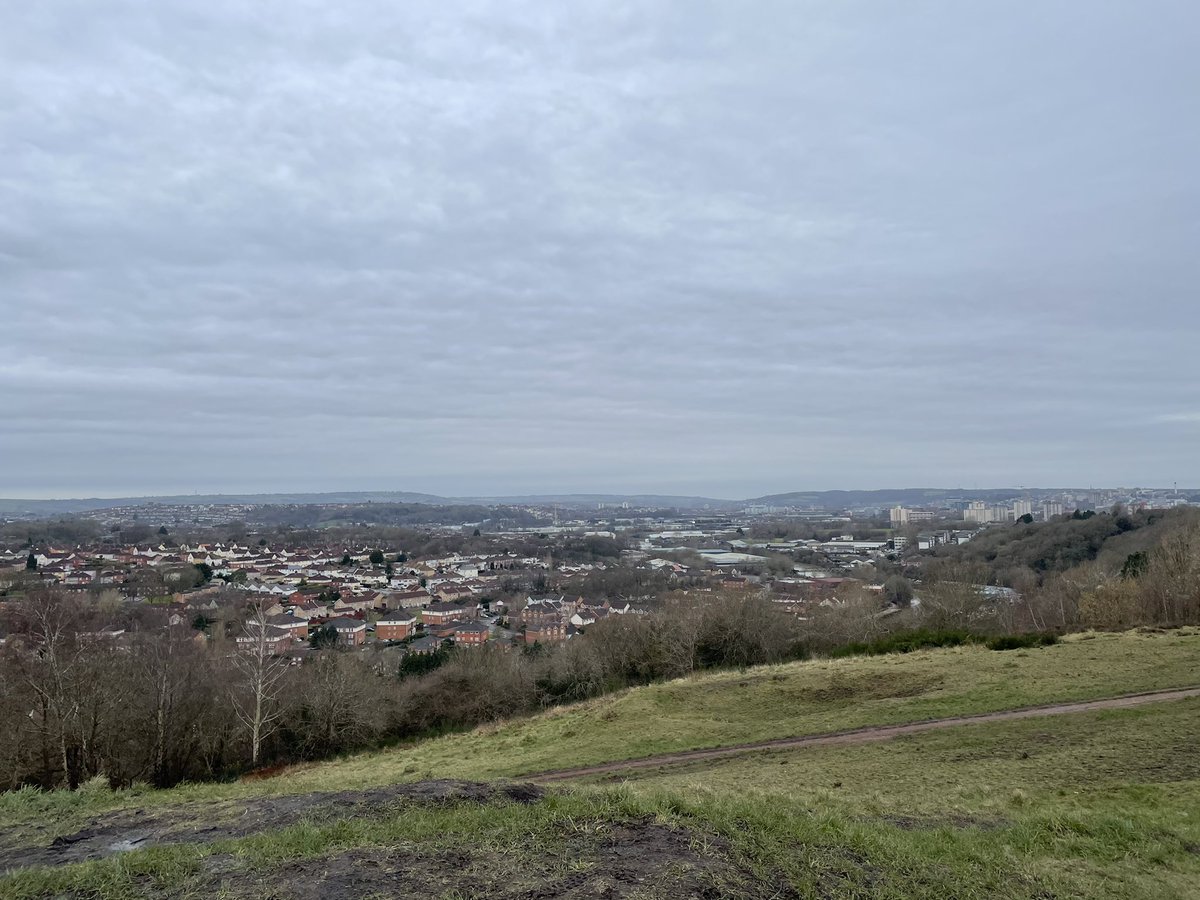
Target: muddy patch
point(124, 830)
point(639, 859)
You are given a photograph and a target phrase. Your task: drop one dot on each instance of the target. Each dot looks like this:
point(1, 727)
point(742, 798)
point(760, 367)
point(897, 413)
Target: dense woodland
point(1044, 548)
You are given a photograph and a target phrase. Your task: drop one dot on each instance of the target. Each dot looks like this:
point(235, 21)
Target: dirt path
point(861, 735)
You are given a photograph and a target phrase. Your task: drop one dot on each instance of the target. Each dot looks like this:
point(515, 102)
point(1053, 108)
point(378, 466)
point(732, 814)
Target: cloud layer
point(484, 247)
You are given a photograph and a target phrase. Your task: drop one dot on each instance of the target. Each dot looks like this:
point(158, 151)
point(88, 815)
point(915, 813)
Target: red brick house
point(297, 628)
point(549, 633)
point(542, 611)
point(443, 630)
point(278, 642)
point(471, 634)
point(440, 613)
point(395, 626)
point(350, 631)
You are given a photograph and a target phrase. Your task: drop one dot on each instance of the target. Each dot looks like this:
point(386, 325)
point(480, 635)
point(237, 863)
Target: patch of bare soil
point(637, 859)
point(137, 829)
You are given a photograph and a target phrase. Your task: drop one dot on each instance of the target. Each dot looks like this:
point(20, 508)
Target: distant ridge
point(889, 496)
point(646, 500)
point(837, 499)
point(68, 506)
point(299, 499)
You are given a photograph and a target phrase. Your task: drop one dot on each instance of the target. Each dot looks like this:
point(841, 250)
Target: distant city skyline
point(505, 248)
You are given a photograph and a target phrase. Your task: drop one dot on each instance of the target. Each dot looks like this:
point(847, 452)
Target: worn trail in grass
point(787, 701)
point(1103, 804)
point(870, 734)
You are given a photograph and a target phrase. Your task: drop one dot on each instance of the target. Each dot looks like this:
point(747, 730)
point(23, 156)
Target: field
point(1103, 803)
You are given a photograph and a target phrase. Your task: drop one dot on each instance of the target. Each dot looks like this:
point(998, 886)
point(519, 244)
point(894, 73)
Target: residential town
point(360, 588)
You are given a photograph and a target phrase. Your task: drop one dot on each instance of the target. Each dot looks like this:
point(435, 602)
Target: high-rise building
point(977, 511)
point(899, 516)
point(1022, 508)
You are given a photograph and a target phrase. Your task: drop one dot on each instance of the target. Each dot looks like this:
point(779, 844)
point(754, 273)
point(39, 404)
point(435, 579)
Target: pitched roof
point(446, 607)
point(399, 617)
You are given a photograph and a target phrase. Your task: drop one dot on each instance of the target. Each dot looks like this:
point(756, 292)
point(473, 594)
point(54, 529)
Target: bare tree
point(258, 683)
point(18, 712)
point(1171, 584)
point(168, 670)
point(50, 668)
point(745, 630)
point(679, 637)
point(855, 613)
point(339, 703)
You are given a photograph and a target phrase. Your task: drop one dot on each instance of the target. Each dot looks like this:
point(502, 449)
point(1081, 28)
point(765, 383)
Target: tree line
point(160, 705)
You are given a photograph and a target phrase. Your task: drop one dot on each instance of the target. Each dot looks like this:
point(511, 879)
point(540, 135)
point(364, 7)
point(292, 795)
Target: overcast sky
point(690, 247)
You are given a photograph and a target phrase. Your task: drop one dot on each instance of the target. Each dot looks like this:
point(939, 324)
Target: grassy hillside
point(1098, 804)
point(786, 700)
point(976, 769)
point(1093, 804)
point(766, 702)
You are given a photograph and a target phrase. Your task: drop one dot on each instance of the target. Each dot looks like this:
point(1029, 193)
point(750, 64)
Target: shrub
point(928, 639)
point(908, 641)
point(1022, 641)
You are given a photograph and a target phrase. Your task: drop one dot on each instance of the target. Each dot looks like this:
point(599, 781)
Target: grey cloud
point(705, 247)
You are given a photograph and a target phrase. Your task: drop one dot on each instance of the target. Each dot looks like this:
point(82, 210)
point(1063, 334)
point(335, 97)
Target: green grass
point(717, 709)
point(784, 701)
point(1103, 804)
point(975, 770)
point(1094, 804)
point(1098, 804)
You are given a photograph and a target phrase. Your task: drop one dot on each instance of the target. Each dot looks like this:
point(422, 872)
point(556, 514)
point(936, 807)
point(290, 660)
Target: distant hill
point(885, 497)
point(27, 508)
point(832, 500)
point(63, 507)
point(661, 501)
